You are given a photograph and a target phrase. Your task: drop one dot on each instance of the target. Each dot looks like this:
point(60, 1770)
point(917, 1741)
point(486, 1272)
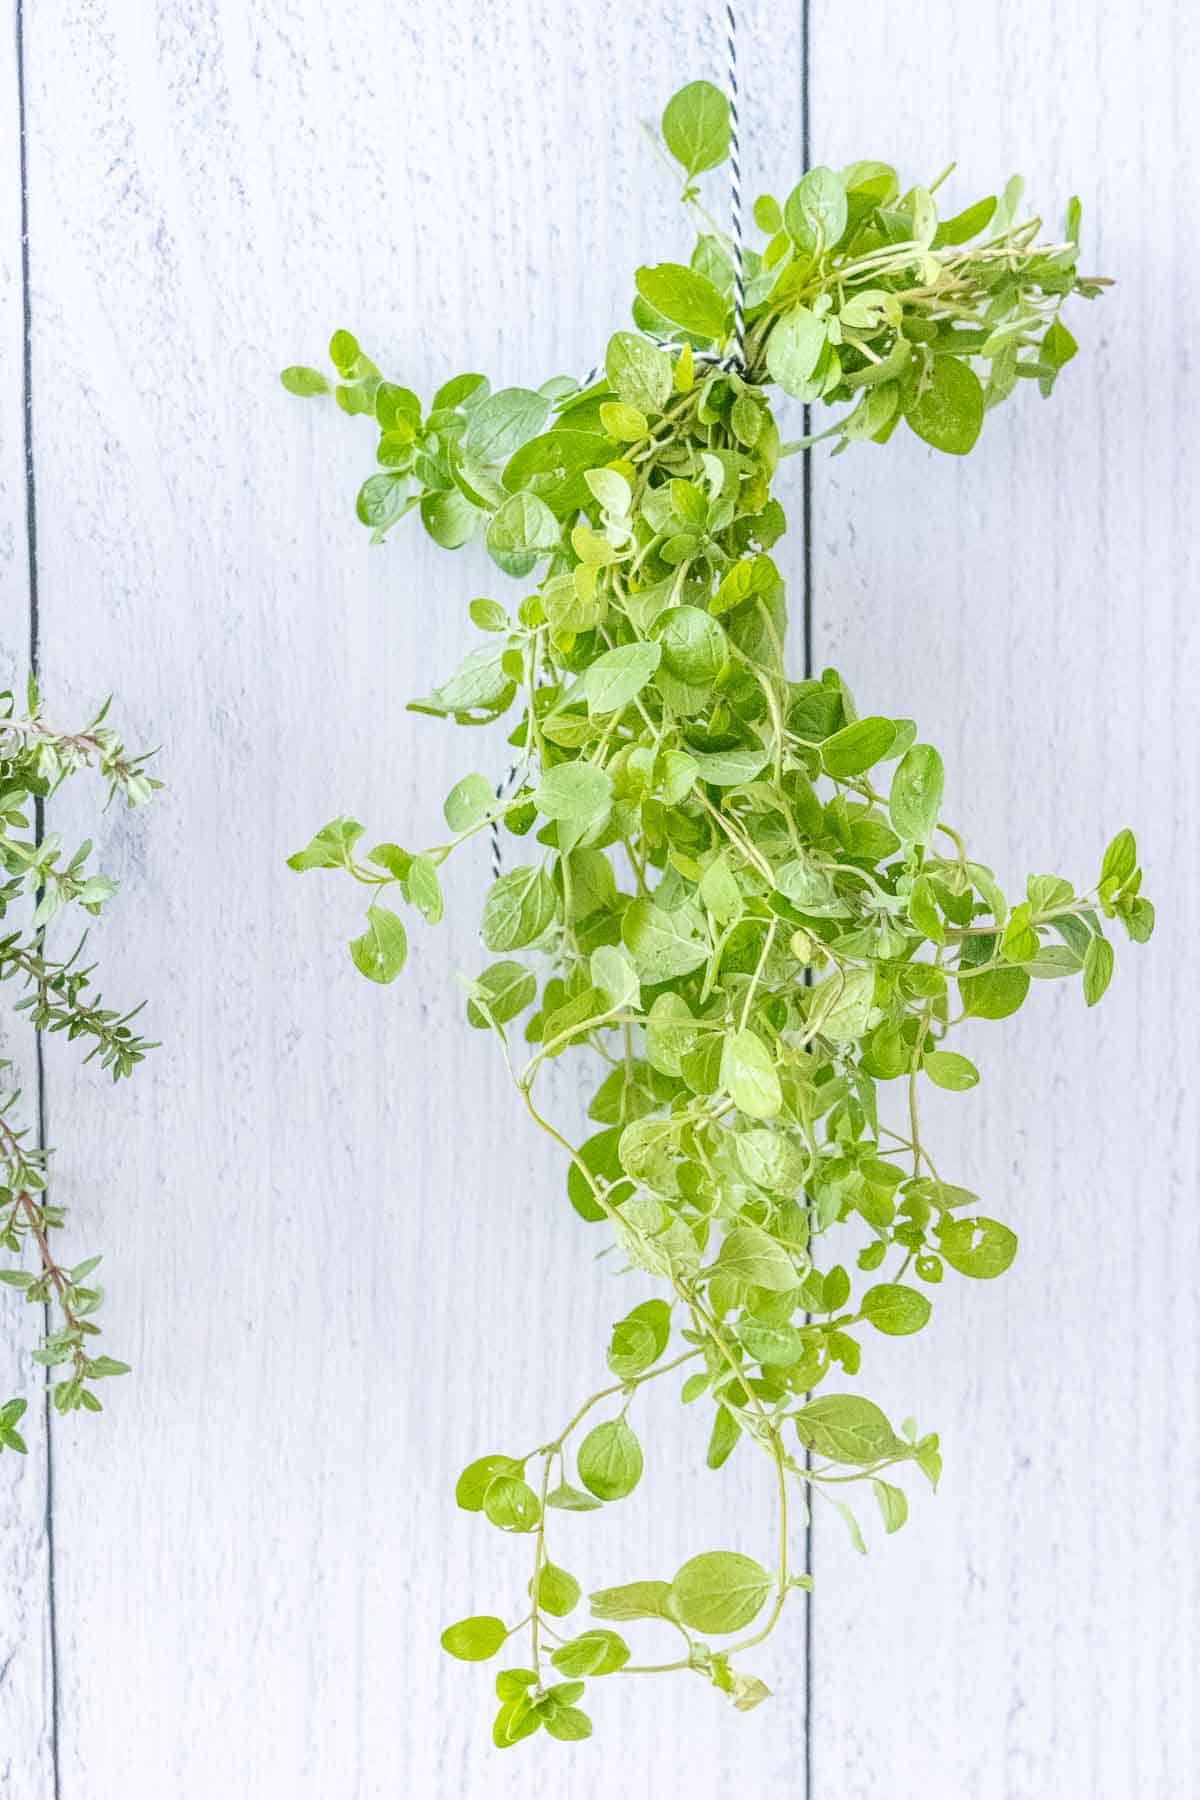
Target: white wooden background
point(339, 1262)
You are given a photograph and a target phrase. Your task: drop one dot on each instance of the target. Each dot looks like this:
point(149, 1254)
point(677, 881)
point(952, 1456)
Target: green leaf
point(424, 888)
point(598, 1155)
point(772, 1160)
point(575, 791)
point(503, 422)
point(632, 1600)
point(695, 127)
point(1097, 969)
point(754, 1258)
point(748, 1072)
point(980, 1248)
point(685, 297)
point(625, 423)
point(1120, 859)
point(521, 533)
point(568, 1724)
point(380, 952)
point(489, 615)
point(610, 1460)
point(344, 352)
point(894, 1309)
point(305, 382)
point(774, 1346)
point(1046, 892)
point(856, 748)
point(480, 684)
point(396, 407)
point(994, 994)
point(1020, 942)
point(516, 1719)
point(611, 489)
point(638, 1340)
point(852, 1526)
point(511, 1504)
point(381, 500)
point(725, 1433)
point(460, 391)
point(694, 647)
point(477, 1477)
point(846, 1429)
point(331, 848)
point(1057, 346)
point(893, 1505)
point(571, 1499)
point(748, 421)
point(719, 890)
point(512, 1683)
point(597, 1652)
point(468, 801)
point(618, 676)
point(639, 373)
point(616, 978)
point(922, 910)
point(768, 214)
point(816, 211)
point(748, 1691)
point(647, 1150)
point(508, 988)
point(916, 796)
point(730, 768)
point(842, 1005)
point(449, 518)
point(518, 909)
point(663, 944)
point(720, 1590)
point(558, 1593)
point(947, 1069)
point(794, 348)
point(966, 224)
point(475, 1639)
point(947, 411)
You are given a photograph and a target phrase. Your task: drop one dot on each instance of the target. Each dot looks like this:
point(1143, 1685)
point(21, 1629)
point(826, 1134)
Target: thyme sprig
point(39, 881)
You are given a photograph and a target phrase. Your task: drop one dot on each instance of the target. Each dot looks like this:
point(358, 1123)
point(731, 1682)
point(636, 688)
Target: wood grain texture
point(1035, 1630)
point(25, 1709)
point(338, 1260)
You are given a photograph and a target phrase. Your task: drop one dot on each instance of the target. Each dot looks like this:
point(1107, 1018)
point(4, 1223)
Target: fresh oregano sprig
point(742, 897)
point(39, 881)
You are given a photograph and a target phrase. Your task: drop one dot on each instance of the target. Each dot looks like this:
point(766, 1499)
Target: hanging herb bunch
point(38, 878)
point(737, 897)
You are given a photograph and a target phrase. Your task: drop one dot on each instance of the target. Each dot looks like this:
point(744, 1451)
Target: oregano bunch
point(39, 881)
point(733, 893)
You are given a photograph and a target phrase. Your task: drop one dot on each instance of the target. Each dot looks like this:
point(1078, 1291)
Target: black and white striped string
point(734, 360)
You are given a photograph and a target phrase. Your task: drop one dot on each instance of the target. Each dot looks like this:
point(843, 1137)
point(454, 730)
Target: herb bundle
point(57, 995)
point(756, 920)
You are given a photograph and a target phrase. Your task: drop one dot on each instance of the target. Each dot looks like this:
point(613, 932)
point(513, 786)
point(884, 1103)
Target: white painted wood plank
point(1034, 1630)
point(339, 1262)
point(25, 1748)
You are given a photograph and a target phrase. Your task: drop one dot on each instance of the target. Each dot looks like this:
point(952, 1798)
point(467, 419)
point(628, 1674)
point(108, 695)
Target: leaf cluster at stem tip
point(39, 883)
point(730, 889)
